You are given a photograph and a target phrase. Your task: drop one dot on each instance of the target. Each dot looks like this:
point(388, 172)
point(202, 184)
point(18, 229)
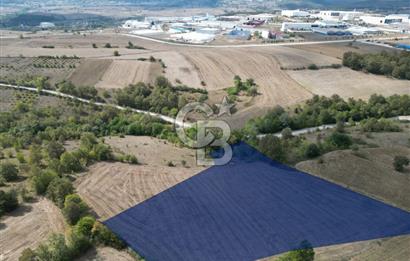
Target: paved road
point(254, 45)
point(64, 95)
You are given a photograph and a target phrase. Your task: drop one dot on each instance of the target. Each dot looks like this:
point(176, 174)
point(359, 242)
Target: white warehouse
point(390, 19)
point(295, 13)
point(339, 15)
point(135, 24)
point(297, 26)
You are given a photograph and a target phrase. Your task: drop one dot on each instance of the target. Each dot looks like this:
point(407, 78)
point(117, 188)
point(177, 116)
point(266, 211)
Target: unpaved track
point(28, 226)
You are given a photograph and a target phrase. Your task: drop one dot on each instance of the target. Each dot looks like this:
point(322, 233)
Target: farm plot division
point(252, 208)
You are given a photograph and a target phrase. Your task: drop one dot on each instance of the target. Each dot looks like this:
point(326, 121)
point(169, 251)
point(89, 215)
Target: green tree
point(312, 151)
point(339, 140)
point(102, 235)
point(74, 208)
point(9, 171)
point(54, 150)
point(400, 162)
point(35, 156)
point(304, 253)
point(287, 133)
point(77, 243)
point(41, 181)
point(8, 201)
point(272, 147)
point(28, 255)
point(85, 226)
point(70, 163)
point(20, 157)
point(58, 189)
point(54, 249)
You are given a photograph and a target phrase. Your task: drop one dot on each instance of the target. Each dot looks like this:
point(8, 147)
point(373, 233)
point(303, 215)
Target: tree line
point(394, 64)
point(321, 110)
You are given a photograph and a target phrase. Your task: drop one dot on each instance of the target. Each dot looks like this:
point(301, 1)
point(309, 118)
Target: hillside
point(351, 4)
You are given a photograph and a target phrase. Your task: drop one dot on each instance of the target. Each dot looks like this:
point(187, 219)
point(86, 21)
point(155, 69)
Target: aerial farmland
point(217, 130)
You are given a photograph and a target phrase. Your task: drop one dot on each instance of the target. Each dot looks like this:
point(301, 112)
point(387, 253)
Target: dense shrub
point(86, 92)
point(58, 189)
point(74, 208)
point(9, 171)
point(382, 125)
point(312, 151)
point(400, 162)
point(323, 110)
point(102, 235)
point(41, 180)
point(8, 201)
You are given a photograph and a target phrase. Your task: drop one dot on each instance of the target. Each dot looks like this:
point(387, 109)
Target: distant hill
point(350, 4)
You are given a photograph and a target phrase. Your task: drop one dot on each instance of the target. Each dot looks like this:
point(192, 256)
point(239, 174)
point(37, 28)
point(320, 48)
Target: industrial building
point(261, 17)
point(332, 31)
point(295, 13)
point(297, 26)
point(389, 19)
point(239, 34)
point(339, 15)
point(359, 30)
point(194, 37)
point(135, 24)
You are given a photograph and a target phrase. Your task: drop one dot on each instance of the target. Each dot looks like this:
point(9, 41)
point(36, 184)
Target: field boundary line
point(255, 45)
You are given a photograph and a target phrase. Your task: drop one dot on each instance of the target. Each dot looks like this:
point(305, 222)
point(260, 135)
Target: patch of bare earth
point(90, 72)
point(110, 188)
point(121, 73)
point(28, 226)
point(348, 83)
point(218, 67)
point(338, 49)
point(371, 173)
point(386, 249)
point(106, 254)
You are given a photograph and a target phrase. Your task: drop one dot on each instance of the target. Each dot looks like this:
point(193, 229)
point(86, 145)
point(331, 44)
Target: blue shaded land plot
point(252, 208)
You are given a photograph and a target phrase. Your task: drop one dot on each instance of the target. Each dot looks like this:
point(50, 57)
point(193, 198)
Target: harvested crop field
point(373, 174)
point(28, 226)
point(293, 58)
point(106, 254)
point(179, 68)
point(251, 208)
point(55, 69)
point(218, 67)
point(337, 50)
point(90, 72)
point(152, 151)
point(386, 249)
point(110, 188)
point(348, 83)
point(121, 73)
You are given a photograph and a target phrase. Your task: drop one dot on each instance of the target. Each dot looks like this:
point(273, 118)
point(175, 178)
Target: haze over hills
point(377, 4)
point(374, 4)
